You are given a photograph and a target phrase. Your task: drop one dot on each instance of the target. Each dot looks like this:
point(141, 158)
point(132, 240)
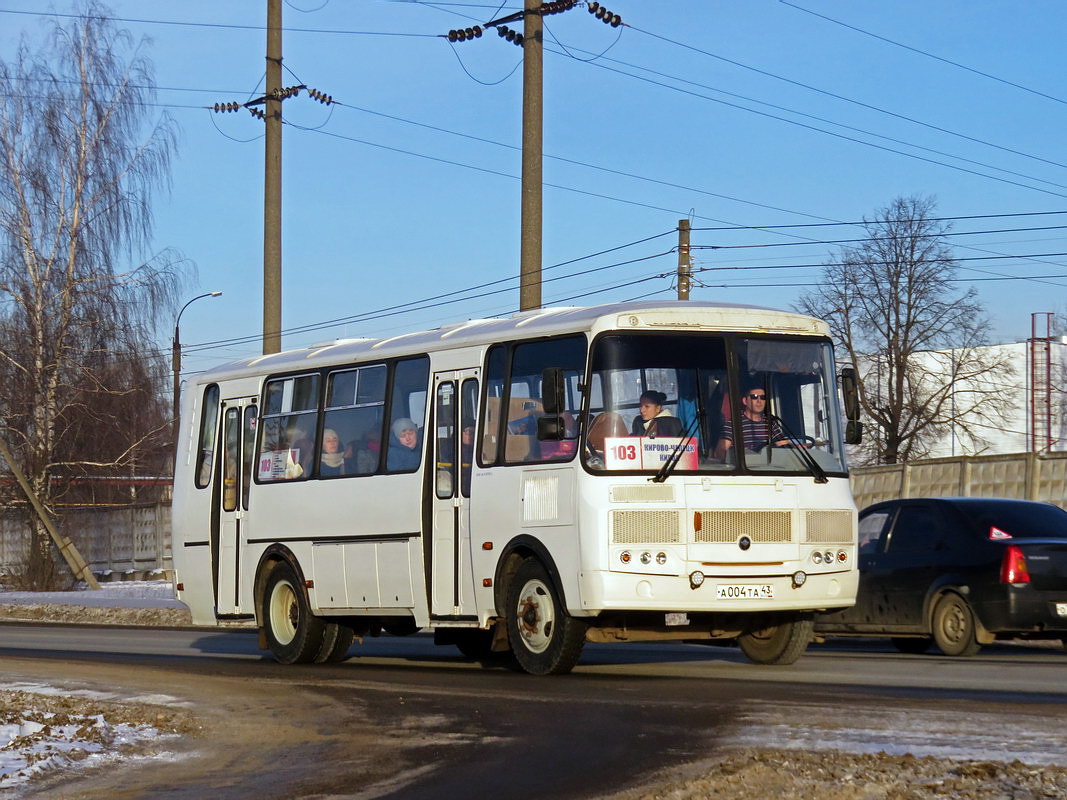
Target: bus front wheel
point(544, 638)
point(779, 644)
point(294, 634)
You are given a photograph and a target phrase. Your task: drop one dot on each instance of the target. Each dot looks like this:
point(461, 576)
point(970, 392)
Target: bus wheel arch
point(515, 552)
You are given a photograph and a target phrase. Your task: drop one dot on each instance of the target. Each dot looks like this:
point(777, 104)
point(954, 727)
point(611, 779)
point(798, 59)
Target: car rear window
point(1019, 520)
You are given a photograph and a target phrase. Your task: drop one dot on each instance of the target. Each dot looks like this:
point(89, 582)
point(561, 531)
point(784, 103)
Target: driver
point(757, 428)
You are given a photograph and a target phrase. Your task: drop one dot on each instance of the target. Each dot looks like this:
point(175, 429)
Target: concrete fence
point(137, 539)
point(131, 539)
point(1026, 476)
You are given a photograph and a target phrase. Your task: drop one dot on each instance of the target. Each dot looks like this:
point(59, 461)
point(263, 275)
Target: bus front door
point(455, 410)
point(239, 437)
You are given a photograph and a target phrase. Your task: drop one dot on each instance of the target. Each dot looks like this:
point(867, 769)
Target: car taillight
point(1013, 567)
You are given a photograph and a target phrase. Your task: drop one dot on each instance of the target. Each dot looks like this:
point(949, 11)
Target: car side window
point(917, 530)
point(870, 531)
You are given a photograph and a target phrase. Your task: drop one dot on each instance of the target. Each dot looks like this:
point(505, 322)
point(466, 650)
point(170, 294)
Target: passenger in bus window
point(649, 421)
point(757, 427)
point(300, 451)
point(404, 450)
point(332, 461)
point(466, 455)
point(366, 452)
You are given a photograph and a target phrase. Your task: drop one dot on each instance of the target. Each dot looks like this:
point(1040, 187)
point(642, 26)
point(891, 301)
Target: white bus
point(495, 481)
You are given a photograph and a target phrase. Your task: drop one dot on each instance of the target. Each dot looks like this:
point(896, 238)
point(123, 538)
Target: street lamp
point(176, 360)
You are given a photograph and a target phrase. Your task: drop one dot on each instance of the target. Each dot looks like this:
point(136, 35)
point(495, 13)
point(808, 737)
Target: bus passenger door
point(239, 438)
point(451, 574)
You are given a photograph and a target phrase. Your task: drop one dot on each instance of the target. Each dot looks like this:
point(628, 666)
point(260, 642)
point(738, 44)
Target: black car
point(958, 572)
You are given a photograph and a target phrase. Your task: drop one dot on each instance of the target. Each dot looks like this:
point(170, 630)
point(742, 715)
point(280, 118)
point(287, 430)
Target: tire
point(953, 626)
point(544, 638)
point(294, 634)
point(913, 645)
point(336, 641)
point(778, 645)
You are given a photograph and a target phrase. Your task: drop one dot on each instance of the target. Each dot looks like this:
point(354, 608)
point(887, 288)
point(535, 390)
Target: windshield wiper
point(798, 447)
point(665, 471)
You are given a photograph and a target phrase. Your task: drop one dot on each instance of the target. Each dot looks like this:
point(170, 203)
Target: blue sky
point(702, 109)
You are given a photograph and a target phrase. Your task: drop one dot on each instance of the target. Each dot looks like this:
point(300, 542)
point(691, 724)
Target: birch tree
point(82, 155)
point(916, 341)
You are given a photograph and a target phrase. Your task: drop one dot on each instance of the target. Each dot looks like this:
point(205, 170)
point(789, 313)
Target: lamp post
point(176, 361)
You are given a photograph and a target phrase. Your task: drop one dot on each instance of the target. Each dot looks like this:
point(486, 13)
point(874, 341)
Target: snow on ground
point(46, 728)
point(113, 594)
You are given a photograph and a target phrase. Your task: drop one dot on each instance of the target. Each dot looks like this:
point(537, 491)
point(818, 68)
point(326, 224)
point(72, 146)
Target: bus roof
point(632, 315)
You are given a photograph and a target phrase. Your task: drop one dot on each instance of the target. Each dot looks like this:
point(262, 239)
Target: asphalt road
point(405, 719)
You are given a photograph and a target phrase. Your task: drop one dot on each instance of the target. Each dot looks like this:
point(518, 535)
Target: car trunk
point(1046, 561)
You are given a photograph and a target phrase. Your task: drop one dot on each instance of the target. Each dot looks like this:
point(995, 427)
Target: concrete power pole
point(685, 267)
point(272, 185)
point(532, 121)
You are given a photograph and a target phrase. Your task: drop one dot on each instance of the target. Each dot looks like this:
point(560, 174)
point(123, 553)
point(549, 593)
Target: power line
point(222, 25)
point(845, 99)
point(926, 53)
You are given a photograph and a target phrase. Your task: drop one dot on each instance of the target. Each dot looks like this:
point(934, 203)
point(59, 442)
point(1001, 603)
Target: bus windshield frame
point(696, 389)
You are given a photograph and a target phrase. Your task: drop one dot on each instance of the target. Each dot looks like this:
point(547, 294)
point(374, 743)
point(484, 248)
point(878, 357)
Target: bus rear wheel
point(780, 644)
point(544, 638)
point(294, 634)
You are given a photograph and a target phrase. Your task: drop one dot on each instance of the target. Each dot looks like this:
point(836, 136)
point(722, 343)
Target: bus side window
point(209, 430)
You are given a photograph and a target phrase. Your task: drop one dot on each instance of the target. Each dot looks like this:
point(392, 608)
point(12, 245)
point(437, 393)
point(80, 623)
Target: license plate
point(744, 591)
point(1061, 609)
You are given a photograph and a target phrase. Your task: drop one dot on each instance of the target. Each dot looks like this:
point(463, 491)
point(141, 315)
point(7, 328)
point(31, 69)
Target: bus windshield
point(660, 397)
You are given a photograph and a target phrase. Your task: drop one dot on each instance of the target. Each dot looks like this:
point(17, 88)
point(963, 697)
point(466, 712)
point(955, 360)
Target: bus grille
point(645, 527)
point(653, 493)
point(829, 526)
point(759, 526)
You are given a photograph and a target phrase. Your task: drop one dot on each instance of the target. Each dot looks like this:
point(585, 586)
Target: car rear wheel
point(913, 645)
point(954, 627)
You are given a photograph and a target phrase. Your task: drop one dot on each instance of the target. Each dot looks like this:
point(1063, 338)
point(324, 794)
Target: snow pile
point(124, 594)
point(43, 729)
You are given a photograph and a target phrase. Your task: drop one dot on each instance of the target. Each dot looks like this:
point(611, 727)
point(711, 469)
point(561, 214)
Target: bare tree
point(916, 342)
point(80, 161)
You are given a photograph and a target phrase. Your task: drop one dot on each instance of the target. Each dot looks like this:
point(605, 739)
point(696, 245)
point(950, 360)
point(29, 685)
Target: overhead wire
point(926, 53)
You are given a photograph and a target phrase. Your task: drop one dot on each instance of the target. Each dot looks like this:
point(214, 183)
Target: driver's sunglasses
point(757, 397)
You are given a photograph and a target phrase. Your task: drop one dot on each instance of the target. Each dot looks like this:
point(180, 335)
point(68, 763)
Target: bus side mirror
point(552, 390)
point(550, 429)
point(850, 392)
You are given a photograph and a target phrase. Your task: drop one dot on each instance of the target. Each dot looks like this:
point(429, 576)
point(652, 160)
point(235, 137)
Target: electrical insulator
point(502, 30)
point(605, 16)
point(226, 107)
point(558, 6)
point(255, 112)
point(464, 34)
point(322, 97)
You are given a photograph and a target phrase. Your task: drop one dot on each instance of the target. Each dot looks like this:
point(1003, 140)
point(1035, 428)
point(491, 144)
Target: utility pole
point(272, 185)
point(685, 267)
point(532, 125)
point(78, 565)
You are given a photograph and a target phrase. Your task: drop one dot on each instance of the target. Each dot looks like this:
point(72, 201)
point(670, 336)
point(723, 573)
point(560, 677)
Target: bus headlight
point(646, 557)
point(696, 579)
point(799, 579)
point(624, 557)
point(816, 557)
point(661, 558)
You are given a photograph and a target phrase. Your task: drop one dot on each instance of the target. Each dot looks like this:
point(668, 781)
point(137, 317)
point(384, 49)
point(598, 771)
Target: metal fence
point(132, 539)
